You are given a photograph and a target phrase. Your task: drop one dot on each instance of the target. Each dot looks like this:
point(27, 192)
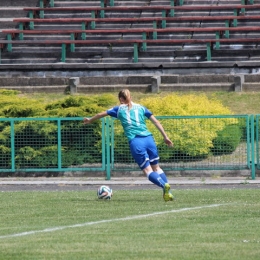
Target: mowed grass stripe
point(107, 221)
point(227, 232)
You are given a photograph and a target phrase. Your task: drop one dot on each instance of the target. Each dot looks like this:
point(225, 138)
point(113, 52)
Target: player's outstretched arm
point(87, 120)
point(161, 129)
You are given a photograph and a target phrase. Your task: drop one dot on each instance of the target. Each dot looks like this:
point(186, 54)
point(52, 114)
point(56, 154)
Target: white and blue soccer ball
point(104, 192)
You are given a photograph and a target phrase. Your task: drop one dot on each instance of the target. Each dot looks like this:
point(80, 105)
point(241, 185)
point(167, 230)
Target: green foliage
point(77, 106)
point(185, 105)
point(14, 106)
point(227, 140)
point(36, 141)
point(122, 152)
point(5, 155)
point(71, 101)
point(26, 157)
point(9, 92)
point(67, 112)
point(36, 144)
point(23, 110)
point(192, 137)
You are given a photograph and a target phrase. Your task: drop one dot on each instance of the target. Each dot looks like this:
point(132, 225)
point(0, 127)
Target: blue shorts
point(144, 151)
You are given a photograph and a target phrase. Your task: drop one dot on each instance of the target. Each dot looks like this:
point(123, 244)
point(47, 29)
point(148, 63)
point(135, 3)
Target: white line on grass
point(108, 220)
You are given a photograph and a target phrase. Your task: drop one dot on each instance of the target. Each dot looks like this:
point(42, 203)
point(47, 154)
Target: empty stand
point(133, 31)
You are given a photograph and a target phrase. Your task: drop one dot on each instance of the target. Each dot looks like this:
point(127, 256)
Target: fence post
point(172, 10)
point(9, 45)
point(163, 21)
point(59, 143)
point(93, 23)
point(41, 12)
point(135, 52)
point(102, 12)
point(144, 45)
point(217, 43)
point(83, 28)
point(72, 46)
point(31, 24)
point(12, 146)
point(252, 147)
point(208, 51)
point(154, 27)
point(63, 52)
point(227, 31)
point(108, 146)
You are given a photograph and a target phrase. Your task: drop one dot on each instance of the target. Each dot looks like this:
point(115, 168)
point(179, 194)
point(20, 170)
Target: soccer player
point(141, 142)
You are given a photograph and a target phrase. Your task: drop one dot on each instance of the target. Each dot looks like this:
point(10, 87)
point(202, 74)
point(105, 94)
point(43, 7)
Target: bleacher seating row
point(103, 3)
point(110, 33)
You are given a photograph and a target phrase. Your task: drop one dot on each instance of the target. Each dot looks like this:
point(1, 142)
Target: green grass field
point(135, 224)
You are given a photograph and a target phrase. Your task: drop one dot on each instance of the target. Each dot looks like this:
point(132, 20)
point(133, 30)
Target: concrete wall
point(13, 3)
point(141, 83)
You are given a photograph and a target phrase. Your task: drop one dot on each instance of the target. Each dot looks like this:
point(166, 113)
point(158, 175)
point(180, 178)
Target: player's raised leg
point(167, 195)
point(155, 178)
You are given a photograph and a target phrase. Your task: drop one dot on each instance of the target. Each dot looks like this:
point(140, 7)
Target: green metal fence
point(65, 144)
point(51, 144)
point(200, 143)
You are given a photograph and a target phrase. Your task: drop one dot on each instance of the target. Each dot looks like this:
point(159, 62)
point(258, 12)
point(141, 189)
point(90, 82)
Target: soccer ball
point(104, 192)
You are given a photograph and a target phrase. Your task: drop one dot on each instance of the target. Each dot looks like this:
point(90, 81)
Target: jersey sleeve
point(113, 111)
point(147, 112)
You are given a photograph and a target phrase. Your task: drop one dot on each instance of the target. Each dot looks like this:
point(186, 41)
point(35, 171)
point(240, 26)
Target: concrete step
point(211, 2)
point(67, 26)
point(80, 89)
point(198, 87)
point(138, 88)
point(254, 78)
point(115, 54)
point(230, 2)
point(12, 12)
point(33, 81)
point(75, 3)
point(113, 88)
point(71, 14)
point(7, 23)
point(159, 2)
point(135, 80)
point(49, 82)
point(190, 79)
point(131, 3)
point(252, 86)
point(13, 3)
point(32, 57)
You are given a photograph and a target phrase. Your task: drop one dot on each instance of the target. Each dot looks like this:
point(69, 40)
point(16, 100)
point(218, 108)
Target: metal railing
point(229, 142)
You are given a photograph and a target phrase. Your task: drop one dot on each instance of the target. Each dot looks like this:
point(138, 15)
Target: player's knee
point(145, 165)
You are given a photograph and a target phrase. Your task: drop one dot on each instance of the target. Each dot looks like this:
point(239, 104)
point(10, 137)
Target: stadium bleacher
point(130, 37)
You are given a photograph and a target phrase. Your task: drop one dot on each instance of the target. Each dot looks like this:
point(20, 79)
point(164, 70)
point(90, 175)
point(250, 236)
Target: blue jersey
point(133, 120)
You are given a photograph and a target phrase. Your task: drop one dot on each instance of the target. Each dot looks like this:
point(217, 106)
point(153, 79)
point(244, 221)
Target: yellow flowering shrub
point(192, 136)
point(184, 105)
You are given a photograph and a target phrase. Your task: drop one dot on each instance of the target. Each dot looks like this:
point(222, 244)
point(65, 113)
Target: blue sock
point(163, 176)
point(155, 178)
